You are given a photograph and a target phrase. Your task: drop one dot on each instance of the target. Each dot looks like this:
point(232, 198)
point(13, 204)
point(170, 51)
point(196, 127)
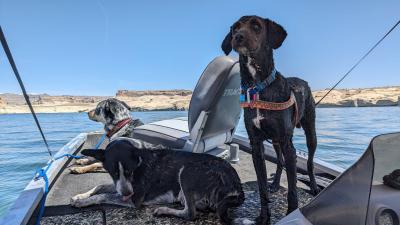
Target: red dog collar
point(118, 127)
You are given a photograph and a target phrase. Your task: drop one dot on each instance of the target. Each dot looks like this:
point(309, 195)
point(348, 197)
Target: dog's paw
point(290, 210)
point(160, 211)
point(77, 170)
point(77, 200)
point(262, 220)
point(76, 203)
point(274, 187)
point(80, 197)
point(315, 191)
point(82, 162)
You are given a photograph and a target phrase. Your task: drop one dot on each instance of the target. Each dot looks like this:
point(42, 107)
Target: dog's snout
point(239, 37)
point(126, 192)
point(91, 113)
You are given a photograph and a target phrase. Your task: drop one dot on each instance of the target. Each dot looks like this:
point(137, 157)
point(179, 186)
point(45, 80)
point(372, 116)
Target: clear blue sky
point(95, 47)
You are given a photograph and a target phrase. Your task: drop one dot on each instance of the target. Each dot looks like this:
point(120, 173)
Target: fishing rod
point(21, 84)
point(358, 62)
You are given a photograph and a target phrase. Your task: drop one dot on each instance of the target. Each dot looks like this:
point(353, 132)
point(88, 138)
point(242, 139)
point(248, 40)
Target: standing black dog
point(255, 38)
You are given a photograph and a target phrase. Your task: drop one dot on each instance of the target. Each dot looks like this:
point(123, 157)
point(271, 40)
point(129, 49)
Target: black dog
point(162, 176)
point(254, 38)
point(118, 122)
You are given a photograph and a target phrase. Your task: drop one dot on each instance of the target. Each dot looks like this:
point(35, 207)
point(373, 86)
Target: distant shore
point(177, 100)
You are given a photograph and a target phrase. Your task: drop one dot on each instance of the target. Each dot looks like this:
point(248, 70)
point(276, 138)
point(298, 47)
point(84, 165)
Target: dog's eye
point(115, 174)
point(235, 26)
point(97, 111)
point(256, 27)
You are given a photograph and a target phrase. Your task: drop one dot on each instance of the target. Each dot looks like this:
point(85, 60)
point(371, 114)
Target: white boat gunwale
point(28, 201)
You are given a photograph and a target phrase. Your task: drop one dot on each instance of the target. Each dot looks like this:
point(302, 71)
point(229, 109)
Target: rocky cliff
point(178, 92)
point(364, 97)
point(3, 103)
point(179, 100)
point(156, 100)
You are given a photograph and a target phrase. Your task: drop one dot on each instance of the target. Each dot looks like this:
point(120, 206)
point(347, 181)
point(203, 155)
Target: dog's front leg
point(82, 162)
point(92, 200)
point(82, 200)
point(261, 171)
point(289, 152)
point(138, 197)
point(279, 167)
point(98, 166)
point(85, 161)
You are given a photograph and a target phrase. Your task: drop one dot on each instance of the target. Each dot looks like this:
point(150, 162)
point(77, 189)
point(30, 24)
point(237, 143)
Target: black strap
point(21, 84)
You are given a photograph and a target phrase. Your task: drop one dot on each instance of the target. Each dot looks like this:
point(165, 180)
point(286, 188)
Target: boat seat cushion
point(159, 133)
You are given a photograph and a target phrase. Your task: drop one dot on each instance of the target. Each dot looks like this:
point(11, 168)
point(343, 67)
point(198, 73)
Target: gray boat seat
point(174, 134)
point(358, 195)
point(213, 115)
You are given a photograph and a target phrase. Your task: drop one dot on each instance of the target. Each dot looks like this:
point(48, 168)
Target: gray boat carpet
point(83, 218)
point(118, 215)
point(59, 211)
point(69, 185)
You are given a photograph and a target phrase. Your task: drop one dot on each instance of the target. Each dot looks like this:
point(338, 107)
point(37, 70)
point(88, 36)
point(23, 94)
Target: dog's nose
point(238, 38)
point(126, 192)
point(90, 113)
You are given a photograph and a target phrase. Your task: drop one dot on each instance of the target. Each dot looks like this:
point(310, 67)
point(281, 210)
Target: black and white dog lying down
point(144, 176)
point(118, 122)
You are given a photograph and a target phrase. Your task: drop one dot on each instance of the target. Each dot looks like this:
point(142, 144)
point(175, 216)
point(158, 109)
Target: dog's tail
point(233, 201)
point(230, 201)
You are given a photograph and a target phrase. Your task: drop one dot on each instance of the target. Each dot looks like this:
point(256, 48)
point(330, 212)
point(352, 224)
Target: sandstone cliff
point(179, 100)
point(3, 103)
point(383, 96)
point(156, 100)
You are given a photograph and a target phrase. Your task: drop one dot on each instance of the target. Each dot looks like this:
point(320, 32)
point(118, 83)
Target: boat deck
point(59, 211)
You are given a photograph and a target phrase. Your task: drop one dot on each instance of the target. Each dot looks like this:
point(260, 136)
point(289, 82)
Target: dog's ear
point(126, 105)
point(95, 153)
point(227, 43)
point(137, 161)
point(106, 106)
point(116, 106)
point(276, 34)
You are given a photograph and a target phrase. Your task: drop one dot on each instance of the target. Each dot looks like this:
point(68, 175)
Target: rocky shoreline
point(363, 97)
point(178, 100)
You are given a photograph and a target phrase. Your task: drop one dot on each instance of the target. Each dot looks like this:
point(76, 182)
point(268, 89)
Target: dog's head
point(120, 159)
point(252, 34)
point(110, 111)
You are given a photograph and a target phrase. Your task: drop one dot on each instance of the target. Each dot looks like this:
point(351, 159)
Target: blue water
point(343, 134)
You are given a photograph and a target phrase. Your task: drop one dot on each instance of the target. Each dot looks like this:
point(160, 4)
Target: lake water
point(343, 135)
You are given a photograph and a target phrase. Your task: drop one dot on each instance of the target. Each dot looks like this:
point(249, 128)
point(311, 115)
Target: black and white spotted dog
point(145, 176)
point(118, 122)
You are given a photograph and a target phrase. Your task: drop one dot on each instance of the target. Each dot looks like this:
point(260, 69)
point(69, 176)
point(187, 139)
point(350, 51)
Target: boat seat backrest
point(214, 109)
